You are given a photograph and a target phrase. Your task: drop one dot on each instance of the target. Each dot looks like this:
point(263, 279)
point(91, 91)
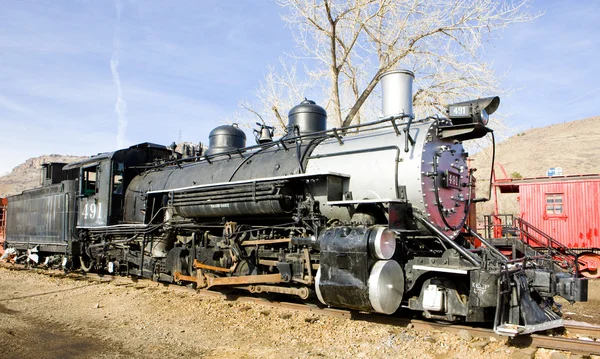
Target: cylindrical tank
point(396, 97)
point(225, 138)
point(308, 117)
point(349, 278)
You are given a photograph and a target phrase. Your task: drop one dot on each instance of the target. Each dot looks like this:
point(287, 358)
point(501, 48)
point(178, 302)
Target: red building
point(3, 203)
point(566, 208)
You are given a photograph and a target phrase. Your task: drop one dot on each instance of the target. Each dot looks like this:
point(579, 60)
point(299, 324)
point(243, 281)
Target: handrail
point(496, 224)
point(338, 133)
point(554, 247)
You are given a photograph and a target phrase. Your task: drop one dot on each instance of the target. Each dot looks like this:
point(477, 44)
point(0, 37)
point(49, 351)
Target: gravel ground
point(45, 317)
point(585, 311)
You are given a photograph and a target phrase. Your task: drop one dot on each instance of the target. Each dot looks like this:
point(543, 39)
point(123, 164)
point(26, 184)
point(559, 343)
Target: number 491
point(91, 211)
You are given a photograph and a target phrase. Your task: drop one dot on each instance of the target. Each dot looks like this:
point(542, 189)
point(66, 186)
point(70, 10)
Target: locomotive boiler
point(369, 217)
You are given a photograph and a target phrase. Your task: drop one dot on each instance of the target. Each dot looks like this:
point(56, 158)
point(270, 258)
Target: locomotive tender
point(369, 217)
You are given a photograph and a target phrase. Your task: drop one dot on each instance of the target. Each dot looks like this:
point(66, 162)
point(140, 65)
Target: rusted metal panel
point(578, 223)
point(3, 204)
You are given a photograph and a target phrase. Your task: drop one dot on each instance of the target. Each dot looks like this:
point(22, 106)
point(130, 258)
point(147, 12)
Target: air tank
point(308, 117)
point(396, 96)
point(224, 139)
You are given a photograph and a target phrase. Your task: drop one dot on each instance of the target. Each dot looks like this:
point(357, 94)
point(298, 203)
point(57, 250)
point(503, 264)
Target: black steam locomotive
point(369, 217)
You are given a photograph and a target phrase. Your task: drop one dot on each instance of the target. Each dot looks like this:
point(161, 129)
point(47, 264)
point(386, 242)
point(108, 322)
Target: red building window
point(554, 203)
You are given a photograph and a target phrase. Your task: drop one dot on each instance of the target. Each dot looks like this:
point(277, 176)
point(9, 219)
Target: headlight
point(474, 111)
point(485, 118)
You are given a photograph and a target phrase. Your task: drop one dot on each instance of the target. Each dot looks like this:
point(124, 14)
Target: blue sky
point(183, 66)
point(553, 62)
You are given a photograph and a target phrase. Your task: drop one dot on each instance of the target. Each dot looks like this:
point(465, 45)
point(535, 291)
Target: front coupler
point(525, 301)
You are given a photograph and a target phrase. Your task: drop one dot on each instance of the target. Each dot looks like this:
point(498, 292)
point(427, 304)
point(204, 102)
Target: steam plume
point(120, 105)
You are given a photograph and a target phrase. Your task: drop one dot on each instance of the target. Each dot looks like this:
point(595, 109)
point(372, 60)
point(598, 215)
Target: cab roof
point(109, 155)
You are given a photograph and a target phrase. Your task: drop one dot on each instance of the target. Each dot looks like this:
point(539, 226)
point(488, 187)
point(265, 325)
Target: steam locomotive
point(370, 217)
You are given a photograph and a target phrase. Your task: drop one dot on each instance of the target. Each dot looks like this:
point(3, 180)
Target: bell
point(265, 135)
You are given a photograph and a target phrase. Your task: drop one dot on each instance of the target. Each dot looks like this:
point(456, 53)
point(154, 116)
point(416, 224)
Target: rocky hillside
point(27, 175)
point(574, 146)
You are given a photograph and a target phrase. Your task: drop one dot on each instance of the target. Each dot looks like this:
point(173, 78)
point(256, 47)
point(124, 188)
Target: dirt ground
point(585, 311)
point(45, 317)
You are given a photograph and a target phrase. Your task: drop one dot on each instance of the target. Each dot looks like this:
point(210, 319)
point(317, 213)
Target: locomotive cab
point(103, 179)
point(94, 197)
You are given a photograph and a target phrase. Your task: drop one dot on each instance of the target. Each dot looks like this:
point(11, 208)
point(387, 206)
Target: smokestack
point(396, 93)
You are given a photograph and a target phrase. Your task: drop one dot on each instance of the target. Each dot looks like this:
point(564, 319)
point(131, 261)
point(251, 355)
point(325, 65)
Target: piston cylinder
point(348, 277)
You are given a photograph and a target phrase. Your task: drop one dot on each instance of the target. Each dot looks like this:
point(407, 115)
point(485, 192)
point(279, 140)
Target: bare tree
point(351, 43)
point(280, 90)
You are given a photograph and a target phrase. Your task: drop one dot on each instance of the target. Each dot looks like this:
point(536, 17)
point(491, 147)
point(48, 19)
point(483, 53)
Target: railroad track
point(586, 340)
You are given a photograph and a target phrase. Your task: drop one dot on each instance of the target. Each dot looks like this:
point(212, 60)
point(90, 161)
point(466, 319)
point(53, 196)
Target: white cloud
point(121, 104)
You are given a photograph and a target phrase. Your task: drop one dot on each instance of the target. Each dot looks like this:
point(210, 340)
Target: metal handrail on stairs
point(555, 249)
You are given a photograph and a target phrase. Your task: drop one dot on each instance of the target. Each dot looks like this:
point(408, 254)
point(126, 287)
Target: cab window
point(118, 178)
point(89, 185)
